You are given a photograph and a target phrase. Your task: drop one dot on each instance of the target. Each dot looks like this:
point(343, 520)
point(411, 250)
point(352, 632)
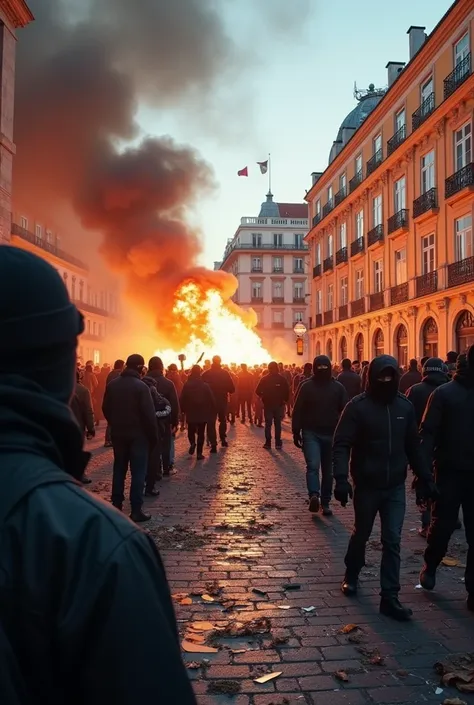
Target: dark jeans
point(211, 427)
point(273, 415)
point(165, 447)
point(390, 505)
point(135, 453)
point(197, 429)
point(317, 452)
point(243, 404)
point(456, 491)
point(108, 435)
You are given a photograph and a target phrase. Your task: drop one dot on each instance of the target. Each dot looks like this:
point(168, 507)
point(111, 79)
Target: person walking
point(376, 438)
point(412, 376)
point(81, 407)
point(299, 379)
point(350, 380)
point(221, 384)
point(113, 374)
point(161, 455)
point(198, 403)
point(98, 576)
point(162, 413)
point(129, 409)
point(245, 390)
point(318, 406)
point(274, 391)
point(451, 360)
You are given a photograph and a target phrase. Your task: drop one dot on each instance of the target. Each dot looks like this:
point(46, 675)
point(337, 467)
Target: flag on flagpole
point(243, 172)
point(263, 167)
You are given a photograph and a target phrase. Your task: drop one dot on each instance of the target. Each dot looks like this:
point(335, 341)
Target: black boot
point(224, 443)
point(213, 449)
point(428, 577)
point(138, 516)
point(151, 492)
point(391, 607)
point(192, 448)
point(349, 585)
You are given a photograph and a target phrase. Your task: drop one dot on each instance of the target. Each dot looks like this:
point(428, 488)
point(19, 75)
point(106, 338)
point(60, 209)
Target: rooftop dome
point(367, 101)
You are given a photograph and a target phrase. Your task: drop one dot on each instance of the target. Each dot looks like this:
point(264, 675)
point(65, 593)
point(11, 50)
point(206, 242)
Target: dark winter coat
point(274, 390)
point(78, 579)
point(113, 375)
point(420, 393)
point(409, 379)
point(245, 385)
point(351, 382)
point(128, 408)
point(167, 389)
point(318, 406)
point(379, 440)
point(81, 405)
point(220, 383)
point(197, 401)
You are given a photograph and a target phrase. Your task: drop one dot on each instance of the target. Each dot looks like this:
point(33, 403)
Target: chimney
point(315, 176)
point(417, 39)
point(394, 69)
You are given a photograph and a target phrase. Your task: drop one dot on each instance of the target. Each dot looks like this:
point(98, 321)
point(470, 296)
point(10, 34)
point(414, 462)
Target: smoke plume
point(80, 76)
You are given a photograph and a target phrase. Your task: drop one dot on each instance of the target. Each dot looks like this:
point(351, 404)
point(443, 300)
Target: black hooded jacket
point(351, 382)
point(166, 387)
point(129, 409)
point(421, 392)
point(411, 377)
point(378, 440)
point(78, 580)
point(220, 383)
point(319, 403)
point(197, 401)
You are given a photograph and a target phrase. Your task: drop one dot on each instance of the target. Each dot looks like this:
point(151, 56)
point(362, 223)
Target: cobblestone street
point(236, 529)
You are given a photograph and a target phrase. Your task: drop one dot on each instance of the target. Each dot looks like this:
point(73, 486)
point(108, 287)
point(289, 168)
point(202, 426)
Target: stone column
point(7, 148)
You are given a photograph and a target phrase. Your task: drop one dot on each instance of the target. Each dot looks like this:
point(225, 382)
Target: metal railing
point(328, 263)
point(356, 181)
point(255, 268)
point(317, 271)
point(278, 299)
point(399, 294)
point(398, 220)
point(460, 73)
point(47, 246)
point(423, 111)
point(343, 312)
point(375, 235)
point(328, 207)
point(358, 307)
point(341, 255)
point(299, 300)
point(318, 320)
point(376, 301)
point(316, 219)
point(328, 317)
point(277, 270)
point(340, 196)
point(425, 202)
point(426, 283)
point(298, 270)
point(357, 246)
point(397, 139)
point(462, 178)
point(88, 308)
point(461, 272)
point(256, 299)
point(374, 161)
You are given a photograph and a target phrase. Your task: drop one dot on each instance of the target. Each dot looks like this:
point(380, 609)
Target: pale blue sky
point(288, 97)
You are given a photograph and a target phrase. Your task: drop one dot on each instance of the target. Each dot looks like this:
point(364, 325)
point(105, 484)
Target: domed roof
point(367, 101)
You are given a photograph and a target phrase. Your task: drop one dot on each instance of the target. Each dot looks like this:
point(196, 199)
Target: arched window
point(329, 349)
point(359, 347)
point(318, 348)
point(401, 342)
point(464, 331)
point(430, 338)
point(343, 347)
point(378, 342)
point(73, 288)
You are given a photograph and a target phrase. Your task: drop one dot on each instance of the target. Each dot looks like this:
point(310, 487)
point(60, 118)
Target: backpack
point(19, 486)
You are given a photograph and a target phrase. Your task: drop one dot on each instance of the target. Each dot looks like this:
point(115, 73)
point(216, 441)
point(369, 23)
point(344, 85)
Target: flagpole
point(269, 172)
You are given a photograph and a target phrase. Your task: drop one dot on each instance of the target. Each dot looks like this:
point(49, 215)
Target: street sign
point(299, 346)
point(299, 329)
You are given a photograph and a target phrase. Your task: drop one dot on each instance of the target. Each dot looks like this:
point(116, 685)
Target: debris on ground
point(253, 529)
point(232, 630)
point(257, 591)
point(270, 505)
point(371, 656)
point(348, 629)
point(454, 701)
point(178, 537)
point(224, 687)
point(292, 586)
point(191, 648)
point(193, 665)
point(279, 641)
point(450, 562)
point(268, 677)
point(457, 671)
point(213, 588)
point(341, 676)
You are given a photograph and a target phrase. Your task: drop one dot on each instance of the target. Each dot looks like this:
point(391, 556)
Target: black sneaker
point(391, 607)
point(152, 493)
point(224, 443)
point(428, 578)
point(192, 448)
point(213, 449)
point(139, 517)
point(349, 586)
point(314, 504)
point(327, 511)
point(267, 445)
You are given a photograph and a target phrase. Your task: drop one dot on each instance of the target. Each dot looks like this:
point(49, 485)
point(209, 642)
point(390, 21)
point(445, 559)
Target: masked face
point(385, 387)
point(322, 373)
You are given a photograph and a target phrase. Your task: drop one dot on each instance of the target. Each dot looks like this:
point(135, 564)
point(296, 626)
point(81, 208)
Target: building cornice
point(445, 28)
point(17, 12)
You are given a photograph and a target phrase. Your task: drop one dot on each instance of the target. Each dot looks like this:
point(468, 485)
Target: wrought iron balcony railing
point(318, 320)
point(299, 300)
point(426, 202)
point(343, 312)
point(327, 208)
point(298, 270)
point(375, 235)
point(316, 219)
point(256, 268)
point(47, 246)
point(355, 181)
point(424, 111)
point(328, 317)
point(397, 139)
point(328, 263)
point(278, 299)
point(399, 294)
point(460, 73)
point(358, 307)
point(461, 272)
point(376, 301)
point(317, 271)
point(458, 181)
point(357, 246)
point(340, 196)
point(341, 255)
point(398, 220)
point(426, 283)
point(374, 161)
point(277, 270)
point(256, 299)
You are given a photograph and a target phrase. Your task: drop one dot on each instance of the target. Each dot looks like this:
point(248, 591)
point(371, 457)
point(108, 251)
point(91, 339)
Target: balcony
point(88, 308)
point(47, 246)
point(356, 181)
point(461, 272)
point(318, 320)
point(93, 336)
point(299, 300)
point(328, 207)
point(316, 219)
point(256, 299)
point(464, 178)
point(277, 270)
point(357, 246)
point(358, 307)
point(256, 268)
point(278, 325)
point(374, 161)
point(328, 264)
point(341, 256)
point(375, 235)
point(426, 283)
point(328, 317)
point(278, 299)
point(343, 312)
point(340, 196)
point(298, 270)
point(398, 221)
point(423, 112)
point(426, 203)
point(317, 271)
point(397, 139)
point(376, 301)
point(399, 294)
point(461, 72)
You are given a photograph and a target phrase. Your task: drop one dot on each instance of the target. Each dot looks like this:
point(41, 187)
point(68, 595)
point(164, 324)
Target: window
point(256, 264)
point(317, 254)
point(81, 290)
point(330, 297)
point(39, 232)
point(359, 225)
point(400, 120)
point(377, 145)
point(256, 290)
point(344, 291)
point(463, 146)
point(73, 289)
point(400, 194)
point(299, 241)
point(343, 182)
point(426, 90)
point(277, 264)
point(329, 193)
point(298, 292)
point(461, 50)
point(318, 207)
point(49, 237)
point(378, 276)
point(277, 239)
point(463, 229)
point(277, 290)
point(427, 172)
point(24, 222)
point(401, 266)
point(343, 235)
point(96, 357)
point(359, 284)
point(358, 163)
point(330, 245)
point(298, 264)
point(277, 316)
point(256, 240)
point(377, 214)
point(319, 301)
point(428, 253)
point(298, 316)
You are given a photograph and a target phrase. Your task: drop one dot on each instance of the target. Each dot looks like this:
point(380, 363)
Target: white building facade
point(270, 260)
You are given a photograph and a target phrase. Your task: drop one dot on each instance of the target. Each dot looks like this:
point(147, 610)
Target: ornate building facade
point(391, 238)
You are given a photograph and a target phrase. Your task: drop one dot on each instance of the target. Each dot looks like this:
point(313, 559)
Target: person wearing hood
point(99, 576)
point(446, 440)
point(350, 380)
point(412, 376)
point(376, 438)
point(165, 387)
point(299, 379)
point(198, 403)
point(318, 406)
point(274, 391)
point(451, 360)
point(221, 385)
point(162, 413)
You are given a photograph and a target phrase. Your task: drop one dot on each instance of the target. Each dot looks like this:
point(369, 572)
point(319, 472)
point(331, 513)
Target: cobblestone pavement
point(238, 523)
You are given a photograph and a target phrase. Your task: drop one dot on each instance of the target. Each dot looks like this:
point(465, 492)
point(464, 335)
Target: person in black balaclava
point(98, 575)
point(377, 436)
point(318, 405)
point(446, 440)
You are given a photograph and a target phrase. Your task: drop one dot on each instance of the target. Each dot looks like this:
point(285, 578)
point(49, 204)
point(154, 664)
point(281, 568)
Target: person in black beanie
point(84, 570)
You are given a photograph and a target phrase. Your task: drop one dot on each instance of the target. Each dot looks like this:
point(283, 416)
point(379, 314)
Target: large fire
point(214, 327)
